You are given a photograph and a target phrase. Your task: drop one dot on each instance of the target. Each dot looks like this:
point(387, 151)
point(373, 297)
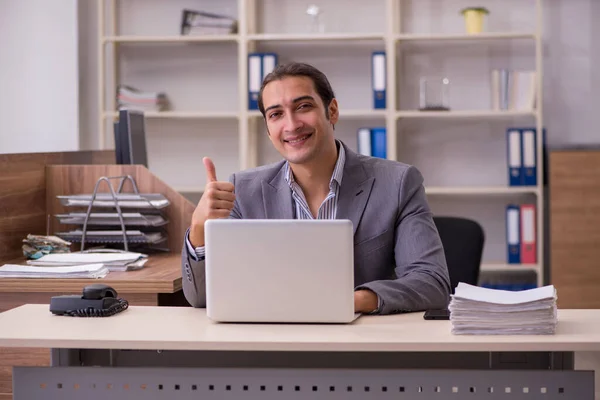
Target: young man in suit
point(399, 260)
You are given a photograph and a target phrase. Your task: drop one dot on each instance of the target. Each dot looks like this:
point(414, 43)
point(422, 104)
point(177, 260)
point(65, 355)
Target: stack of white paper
point(87, 271)
point(114, 261)
point(481, 311)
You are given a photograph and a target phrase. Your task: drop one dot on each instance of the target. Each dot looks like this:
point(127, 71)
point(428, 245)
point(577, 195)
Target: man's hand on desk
point(365, 301)
point(216, 202)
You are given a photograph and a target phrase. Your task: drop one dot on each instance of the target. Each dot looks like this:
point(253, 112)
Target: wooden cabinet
point(575, 227)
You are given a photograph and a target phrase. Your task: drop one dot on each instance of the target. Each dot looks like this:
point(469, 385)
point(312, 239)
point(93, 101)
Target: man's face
point(296, 119)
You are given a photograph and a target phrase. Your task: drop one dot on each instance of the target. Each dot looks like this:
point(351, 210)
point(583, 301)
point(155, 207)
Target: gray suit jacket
point(397, 250)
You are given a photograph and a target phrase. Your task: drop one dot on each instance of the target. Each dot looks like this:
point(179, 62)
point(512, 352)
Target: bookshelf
point(461, 152)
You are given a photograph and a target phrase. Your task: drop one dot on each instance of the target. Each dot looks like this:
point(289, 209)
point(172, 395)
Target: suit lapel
point(277, 198)
point(353, 195)
point(355, 189)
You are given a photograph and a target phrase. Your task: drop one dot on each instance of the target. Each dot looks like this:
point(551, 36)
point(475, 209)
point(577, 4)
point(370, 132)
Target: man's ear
point(334, 112)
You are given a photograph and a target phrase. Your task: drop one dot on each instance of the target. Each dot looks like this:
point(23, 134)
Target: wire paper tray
point(133, 236)
point(150, 202)
point(112, 219)
point(142, 201)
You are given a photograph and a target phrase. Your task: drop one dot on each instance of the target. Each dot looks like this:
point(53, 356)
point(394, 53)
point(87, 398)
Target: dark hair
point(320, 82)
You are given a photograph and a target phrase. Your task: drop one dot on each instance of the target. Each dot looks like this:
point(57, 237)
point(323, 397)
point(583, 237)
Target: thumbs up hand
point(216, 202)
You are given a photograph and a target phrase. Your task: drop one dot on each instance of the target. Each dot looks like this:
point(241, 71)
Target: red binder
point(528, 234)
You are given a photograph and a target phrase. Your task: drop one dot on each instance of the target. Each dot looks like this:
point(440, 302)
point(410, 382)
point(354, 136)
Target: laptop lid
point(280, 270)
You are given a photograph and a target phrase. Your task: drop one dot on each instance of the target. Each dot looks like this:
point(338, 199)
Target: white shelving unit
point(403, 28)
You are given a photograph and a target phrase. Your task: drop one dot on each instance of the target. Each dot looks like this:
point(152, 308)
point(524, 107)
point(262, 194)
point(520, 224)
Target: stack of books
point(130, 98)
point(481, 311)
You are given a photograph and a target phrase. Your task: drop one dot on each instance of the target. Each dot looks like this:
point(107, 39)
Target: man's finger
point(223, 195)
point(224, 186)
point(221, 205)
point(211, 174)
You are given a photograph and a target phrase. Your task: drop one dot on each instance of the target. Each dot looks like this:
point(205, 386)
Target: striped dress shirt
point(328, 208)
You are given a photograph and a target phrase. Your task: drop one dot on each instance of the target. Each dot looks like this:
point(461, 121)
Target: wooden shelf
point(184, 114)
point(464, 114)
point(171, 39)
point(311, 37)
point(481, 190)
point(499, 266)
point(414, 37)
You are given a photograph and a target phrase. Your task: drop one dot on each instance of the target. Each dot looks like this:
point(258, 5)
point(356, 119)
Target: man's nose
point(292, 122)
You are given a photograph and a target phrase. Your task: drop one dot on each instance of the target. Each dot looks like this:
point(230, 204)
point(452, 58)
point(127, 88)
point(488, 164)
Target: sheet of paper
point(477, 293)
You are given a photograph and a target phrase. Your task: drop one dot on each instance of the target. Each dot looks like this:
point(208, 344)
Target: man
point(399, 261)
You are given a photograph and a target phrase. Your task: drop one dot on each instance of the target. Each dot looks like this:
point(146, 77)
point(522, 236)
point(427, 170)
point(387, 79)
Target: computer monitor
point(130, 138)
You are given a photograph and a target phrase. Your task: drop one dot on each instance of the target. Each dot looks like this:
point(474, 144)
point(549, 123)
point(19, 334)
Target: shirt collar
point(338, 170)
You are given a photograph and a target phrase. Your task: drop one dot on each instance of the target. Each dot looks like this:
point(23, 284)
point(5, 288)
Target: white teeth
point(298, 140)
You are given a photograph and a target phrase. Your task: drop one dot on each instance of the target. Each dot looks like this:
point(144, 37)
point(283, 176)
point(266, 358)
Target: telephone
point(97, 300)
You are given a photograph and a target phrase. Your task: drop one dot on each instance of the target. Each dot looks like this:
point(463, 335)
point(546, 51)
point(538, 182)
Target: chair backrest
point(463, 241)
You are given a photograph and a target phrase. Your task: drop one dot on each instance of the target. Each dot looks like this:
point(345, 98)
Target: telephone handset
point(97, 300)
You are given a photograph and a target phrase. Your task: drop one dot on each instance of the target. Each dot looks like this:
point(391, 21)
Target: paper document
point(481, 311)
point(477, 293)
point(85, 271)
point(123, 261)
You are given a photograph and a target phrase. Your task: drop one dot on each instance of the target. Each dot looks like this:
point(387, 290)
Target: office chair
point(463, 241)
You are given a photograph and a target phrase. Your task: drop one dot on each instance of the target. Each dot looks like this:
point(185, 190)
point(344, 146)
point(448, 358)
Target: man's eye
point(304, 106)
point(273, 115)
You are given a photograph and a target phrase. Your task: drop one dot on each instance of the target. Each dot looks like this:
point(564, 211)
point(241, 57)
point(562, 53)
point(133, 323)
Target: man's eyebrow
point(297, 99)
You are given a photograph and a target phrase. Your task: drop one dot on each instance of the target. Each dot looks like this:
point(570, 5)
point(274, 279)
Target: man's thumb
point(211, 174)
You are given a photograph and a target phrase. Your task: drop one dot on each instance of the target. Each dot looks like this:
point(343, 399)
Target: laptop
point(280, 271)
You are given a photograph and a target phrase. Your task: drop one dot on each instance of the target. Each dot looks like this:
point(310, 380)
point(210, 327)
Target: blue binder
point(259, 66)
point(529, 171)
point(513, 234)
point(269, 61)
point(378, 79)
point(514, 157)
point(254, 79)
point(378, 142)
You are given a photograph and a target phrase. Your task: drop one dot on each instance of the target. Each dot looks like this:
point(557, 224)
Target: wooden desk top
point(185, 328)
point(161, 274)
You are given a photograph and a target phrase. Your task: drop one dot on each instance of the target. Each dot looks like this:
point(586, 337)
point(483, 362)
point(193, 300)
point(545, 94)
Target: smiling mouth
point(298, 140)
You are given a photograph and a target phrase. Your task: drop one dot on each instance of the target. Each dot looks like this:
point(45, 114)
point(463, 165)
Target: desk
point(177, 353)
point(157, 284)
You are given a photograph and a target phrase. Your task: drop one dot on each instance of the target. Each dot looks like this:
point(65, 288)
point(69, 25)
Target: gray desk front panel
point(71, 383)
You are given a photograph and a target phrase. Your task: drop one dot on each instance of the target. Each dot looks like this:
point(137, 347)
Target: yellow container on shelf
point(474, 19)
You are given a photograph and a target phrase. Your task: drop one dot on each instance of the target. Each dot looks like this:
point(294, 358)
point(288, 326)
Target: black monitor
point(130, 138)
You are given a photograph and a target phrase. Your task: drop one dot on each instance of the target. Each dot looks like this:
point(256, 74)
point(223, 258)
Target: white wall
point(39, 95)
point(571, 73)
